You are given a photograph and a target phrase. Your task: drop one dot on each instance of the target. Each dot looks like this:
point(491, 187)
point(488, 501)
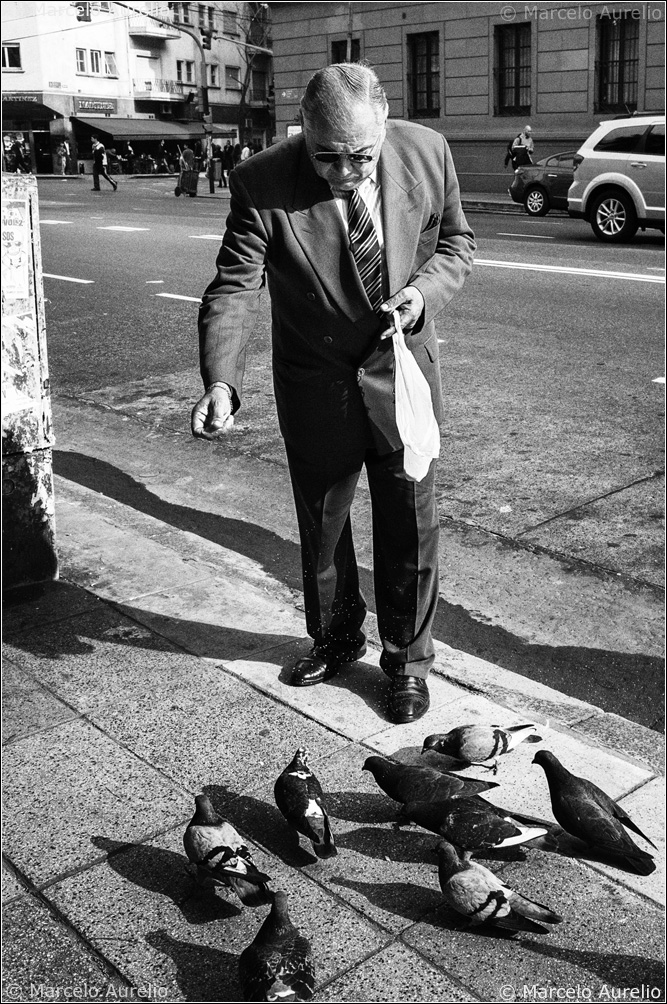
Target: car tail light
point(578, 159)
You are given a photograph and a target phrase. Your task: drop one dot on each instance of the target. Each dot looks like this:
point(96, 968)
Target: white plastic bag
point(415, 420)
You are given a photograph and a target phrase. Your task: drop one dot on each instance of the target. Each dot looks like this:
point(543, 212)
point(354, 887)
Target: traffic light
point(83, 11)
point(206, 39)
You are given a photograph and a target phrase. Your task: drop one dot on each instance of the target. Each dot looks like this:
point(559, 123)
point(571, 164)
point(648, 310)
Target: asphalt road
point(552, 363)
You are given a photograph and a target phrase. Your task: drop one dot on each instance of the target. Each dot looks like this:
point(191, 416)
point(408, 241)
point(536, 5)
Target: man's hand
point(410, 305)
point(212, 415)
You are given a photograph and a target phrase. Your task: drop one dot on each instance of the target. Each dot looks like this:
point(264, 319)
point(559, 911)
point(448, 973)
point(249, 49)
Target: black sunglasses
point(325, 157)
point(329, 157)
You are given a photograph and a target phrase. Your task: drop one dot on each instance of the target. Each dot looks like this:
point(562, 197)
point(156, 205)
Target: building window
point(618, 63)
point(185, 71)
point(232, 78)
point(181, 12)
point(229, 22)
point(104, 8)
point(339, 51)
point(424, 75)
point(110, 67)
point(513, 69)
point(213, 76)
point(80, 60)
point(11, 56)
point(260, 85)
point(95, 61)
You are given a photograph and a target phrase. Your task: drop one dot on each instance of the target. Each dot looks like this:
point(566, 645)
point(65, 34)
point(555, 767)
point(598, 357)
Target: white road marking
point(206, 237)
point(154, 282)
point(658, 380)
point(535, 237)
point(635, 276)
point(126, 229)
point(55, 222)
point(174, 296)
point(654, 268)
point(66, 278)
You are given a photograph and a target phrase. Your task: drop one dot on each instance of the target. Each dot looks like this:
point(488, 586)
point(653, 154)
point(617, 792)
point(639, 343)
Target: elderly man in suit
point(345, 223)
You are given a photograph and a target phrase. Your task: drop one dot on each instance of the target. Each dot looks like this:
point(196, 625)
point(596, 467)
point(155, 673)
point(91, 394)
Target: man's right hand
point(212, 415)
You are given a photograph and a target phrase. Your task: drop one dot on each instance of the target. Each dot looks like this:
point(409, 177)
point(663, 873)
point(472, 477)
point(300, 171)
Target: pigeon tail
point(516, 922)
point(326, 848)
point(534, 911)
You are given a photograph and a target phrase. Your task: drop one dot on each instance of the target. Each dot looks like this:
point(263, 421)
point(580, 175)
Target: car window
point(655, 141)
point(551, 162)
point(623, 140)
point(566, 160)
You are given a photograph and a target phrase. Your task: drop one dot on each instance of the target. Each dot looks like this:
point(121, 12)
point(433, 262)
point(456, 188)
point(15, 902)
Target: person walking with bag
point(353, 219)
point(100, 166)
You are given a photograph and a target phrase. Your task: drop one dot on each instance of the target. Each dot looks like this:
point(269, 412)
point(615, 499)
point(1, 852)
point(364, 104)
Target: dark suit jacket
point(284, 229)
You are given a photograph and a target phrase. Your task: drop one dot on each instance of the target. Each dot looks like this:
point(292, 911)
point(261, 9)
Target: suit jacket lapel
point(313, 215)
point(402, 203)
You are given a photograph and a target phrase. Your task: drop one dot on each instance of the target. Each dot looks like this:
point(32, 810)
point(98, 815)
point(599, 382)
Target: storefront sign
point(95, 105)
point(23, 98)
point(15, 250)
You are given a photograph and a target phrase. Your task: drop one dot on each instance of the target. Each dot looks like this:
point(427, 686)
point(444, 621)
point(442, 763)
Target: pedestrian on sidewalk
point(346, 222)
point(522, 148)
point(100, 165)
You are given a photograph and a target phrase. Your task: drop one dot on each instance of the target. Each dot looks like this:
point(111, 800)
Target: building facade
point(479, 71)
point(133, 74)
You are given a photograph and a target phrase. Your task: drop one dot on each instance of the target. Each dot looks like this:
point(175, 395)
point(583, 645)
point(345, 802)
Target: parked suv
point(619, 178)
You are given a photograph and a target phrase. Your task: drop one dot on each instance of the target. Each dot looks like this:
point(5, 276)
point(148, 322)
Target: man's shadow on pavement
point(592, 675)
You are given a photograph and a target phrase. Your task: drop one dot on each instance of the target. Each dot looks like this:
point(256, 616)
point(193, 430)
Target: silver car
point(619, 178)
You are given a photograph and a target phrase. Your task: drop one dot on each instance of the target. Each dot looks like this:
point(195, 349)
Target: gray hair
point(333, 89)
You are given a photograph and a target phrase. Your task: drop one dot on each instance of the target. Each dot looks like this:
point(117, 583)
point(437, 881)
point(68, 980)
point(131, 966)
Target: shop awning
point(137, 129)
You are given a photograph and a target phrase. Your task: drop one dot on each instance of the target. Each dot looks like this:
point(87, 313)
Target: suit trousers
point(405, 556)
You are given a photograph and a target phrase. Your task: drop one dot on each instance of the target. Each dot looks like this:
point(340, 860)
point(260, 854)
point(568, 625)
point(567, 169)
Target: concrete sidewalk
point(154, 669)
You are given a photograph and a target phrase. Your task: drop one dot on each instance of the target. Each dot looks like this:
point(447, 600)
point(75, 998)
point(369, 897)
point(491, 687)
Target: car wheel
point(536, 202)
point(613, 217)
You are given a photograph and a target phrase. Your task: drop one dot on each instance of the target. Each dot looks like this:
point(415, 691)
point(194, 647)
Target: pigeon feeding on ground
point(478, 894)
point(479, 744)
point(471, 824)
point(220, 857)
point(587, 812)
point(300, 798)
point(278, 964)
point(408, 783)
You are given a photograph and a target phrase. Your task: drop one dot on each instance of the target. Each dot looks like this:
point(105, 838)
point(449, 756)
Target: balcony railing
point(158, 89)
point(138, 24)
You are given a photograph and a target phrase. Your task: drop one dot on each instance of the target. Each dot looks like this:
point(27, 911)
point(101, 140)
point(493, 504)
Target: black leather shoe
point(316, 667)
point(408, 699)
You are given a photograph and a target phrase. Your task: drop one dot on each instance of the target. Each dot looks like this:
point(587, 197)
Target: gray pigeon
point(471, 824)
point(409, 783)
point(587, 812)
point(219, 857)
point(478, 894)
point(300, 798)
point(481, 744)
point(278, 964)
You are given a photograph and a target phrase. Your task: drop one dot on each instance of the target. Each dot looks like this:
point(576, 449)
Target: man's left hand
point(410, 306)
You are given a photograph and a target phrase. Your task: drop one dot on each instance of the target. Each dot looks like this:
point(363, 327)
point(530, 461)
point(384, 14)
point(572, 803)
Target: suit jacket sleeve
point(231, 301)
point(442, 275)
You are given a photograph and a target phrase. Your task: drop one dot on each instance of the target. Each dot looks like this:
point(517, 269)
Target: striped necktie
point(365, 247)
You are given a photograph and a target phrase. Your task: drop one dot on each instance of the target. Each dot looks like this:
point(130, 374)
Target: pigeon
point(479, 744)
point(587, 812)
point(406, 783)
point(299, 797)
point(478, 894)
point(219, 856)
point(278, 964)
point(471, 824)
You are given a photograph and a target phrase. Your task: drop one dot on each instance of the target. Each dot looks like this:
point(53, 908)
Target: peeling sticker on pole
point(15, 250)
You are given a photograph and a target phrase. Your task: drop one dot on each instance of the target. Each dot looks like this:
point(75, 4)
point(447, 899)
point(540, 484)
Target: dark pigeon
point(300, 798)
point(407, 783)
point(278, 964)
point(476, 893)
point(587, 812)
point(481, 744)
point(219, 857)
point(471, 824)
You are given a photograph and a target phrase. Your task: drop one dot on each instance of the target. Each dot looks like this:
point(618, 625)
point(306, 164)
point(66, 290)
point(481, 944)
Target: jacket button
point(310, 296)
point(328, 340)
